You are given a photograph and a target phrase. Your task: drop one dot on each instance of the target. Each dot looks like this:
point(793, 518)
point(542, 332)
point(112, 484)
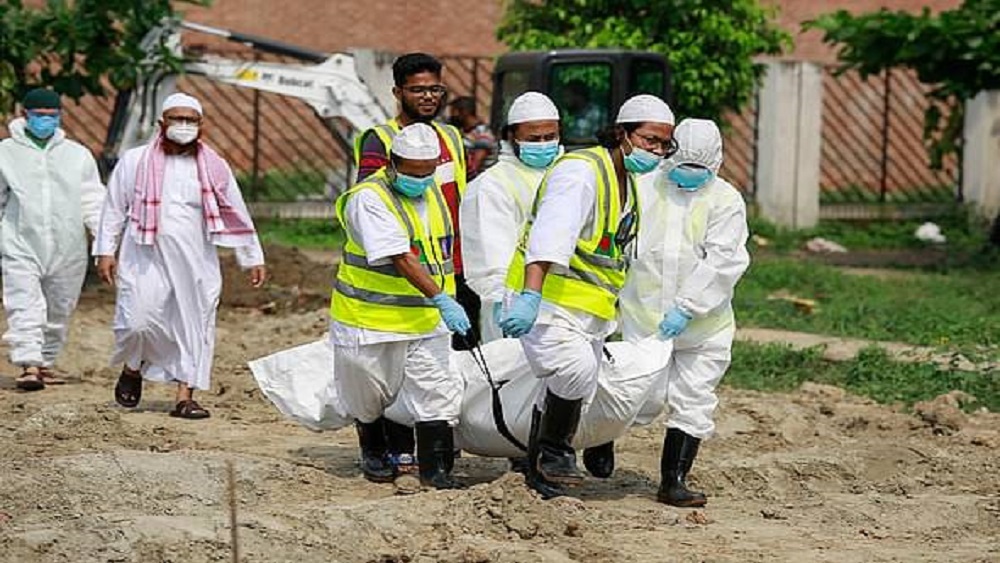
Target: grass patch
point(964, 234)
point(873, 374)
point(959, 309)
point(291, 184)
point(323, 234)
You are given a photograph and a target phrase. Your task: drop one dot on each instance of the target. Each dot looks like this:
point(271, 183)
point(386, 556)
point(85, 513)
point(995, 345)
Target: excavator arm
point(331, 86)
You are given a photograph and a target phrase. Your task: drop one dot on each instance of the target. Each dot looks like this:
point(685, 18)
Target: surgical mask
point(538, 154)
point(641, 161)
point(689, 177)
point(42, 126)
point(182, 133)
point(412, 186)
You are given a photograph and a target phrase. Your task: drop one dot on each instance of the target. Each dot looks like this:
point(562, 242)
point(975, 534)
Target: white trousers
point(39, 305)
point(695, 370)
point(412, 373)
point(567, 359)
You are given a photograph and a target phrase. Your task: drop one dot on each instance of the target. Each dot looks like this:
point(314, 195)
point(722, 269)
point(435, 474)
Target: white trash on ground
point(821, 245)
point(930, 232)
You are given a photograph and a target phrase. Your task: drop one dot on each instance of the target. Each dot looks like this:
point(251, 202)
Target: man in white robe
point(170, 204)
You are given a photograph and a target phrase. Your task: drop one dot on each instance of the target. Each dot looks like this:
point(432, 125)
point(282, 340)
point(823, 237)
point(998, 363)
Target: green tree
point(77, 47)
point(710, 49)
point(957, 51)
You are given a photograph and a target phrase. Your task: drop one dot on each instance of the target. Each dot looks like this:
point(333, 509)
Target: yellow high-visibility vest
point(596, 270)
point(452, 140)
point(380, 297)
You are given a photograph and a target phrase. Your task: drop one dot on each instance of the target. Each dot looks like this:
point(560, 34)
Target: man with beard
point(170, 203)
point(421, 96)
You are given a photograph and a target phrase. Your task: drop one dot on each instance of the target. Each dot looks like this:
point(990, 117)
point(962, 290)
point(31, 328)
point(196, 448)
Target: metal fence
point(739, 147)
point(469, 76)
point(872, 143)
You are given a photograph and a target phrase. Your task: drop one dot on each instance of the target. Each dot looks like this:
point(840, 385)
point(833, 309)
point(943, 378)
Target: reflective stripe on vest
point(592, 281)
point(380, 297)
point(386, 132)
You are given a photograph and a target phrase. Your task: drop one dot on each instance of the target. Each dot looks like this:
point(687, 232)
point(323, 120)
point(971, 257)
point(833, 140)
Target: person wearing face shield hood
point(170, 203)
point(498, 202)
point(49, 190)
point(393, 309)
point(564, 278)
point(681, 284)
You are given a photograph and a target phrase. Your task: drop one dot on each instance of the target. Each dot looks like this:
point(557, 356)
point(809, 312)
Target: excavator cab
point(587, 86)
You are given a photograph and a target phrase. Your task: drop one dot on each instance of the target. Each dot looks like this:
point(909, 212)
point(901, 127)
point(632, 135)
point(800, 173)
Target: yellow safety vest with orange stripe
point(596, 271)
point(452, 140)
point(380, 297)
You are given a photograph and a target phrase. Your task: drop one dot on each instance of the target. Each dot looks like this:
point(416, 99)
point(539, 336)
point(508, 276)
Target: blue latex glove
point(673, 323)
point(522, 314)
point(497, 312)
point(453, 314)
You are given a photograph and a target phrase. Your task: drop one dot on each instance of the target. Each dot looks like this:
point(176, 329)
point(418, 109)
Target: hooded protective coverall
point(47, 195)
point(690, 257)
point(493, 213)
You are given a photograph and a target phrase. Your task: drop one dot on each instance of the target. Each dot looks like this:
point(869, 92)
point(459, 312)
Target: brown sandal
point(190, 410)
point(128, 390)
point(48, 375)
point(30, 381)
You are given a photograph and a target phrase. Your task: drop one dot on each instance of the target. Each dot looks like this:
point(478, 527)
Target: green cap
point(41, 98)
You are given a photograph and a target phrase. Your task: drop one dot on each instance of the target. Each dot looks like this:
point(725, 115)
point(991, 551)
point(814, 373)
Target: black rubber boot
point(436, 454)
point(600, 460)
point(547, 490)
point(556, 457)
point(679, 451)
point(519, 464)
point(374, 460)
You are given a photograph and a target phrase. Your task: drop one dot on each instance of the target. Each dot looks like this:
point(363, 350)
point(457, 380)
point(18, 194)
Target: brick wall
point(437, 26)
point(809, 46)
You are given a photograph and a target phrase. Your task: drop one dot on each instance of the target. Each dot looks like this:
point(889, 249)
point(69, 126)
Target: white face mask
point(182, 133)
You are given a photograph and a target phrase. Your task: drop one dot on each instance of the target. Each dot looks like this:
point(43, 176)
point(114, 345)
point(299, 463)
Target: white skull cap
point(181, 100)
point(645, 108)
point(531, 106)
point(418, 141)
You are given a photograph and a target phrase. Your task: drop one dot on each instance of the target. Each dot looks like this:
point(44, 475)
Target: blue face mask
point(42, 126)
point(539, 154)
point(641, 161)
point(688, 177)
point(412, 186)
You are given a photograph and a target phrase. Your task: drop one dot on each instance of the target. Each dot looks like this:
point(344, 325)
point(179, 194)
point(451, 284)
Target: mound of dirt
point(297, 282)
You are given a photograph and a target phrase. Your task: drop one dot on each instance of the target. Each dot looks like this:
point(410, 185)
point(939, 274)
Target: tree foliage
point(710, 50)
point(957, 51)
point(77, 47)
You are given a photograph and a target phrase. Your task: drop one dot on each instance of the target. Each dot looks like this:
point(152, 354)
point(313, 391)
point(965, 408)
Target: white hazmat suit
point(691, 256)
point(47, 195)
point(494, 210)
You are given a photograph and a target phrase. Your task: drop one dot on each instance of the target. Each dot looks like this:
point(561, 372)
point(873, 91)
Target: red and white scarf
point(221, 217)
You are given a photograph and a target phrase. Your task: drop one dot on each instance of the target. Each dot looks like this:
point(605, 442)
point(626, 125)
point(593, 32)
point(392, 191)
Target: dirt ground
point(816, 475)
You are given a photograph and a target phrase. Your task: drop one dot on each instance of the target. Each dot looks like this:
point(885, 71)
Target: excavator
point(351, 92)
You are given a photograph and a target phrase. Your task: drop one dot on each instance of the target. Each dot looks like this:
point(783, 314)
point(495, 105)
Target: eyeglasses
point(49, 113)
point(182, 120)
point(436, 91)
point(668, 146)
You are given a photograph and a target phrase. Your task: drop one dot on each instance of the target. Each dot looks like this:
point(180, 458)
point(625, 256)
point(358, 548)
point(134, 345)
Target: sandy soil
point(815, 475)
